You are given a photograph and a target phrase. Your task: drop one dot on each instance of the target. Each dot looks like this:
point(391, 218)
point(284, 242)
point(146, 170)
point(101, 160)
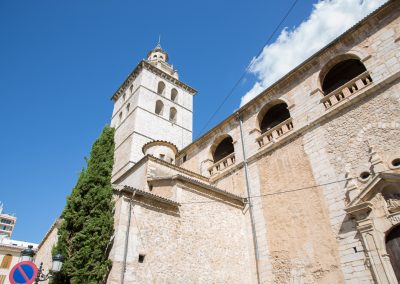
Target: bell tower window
point(161, 88)
point(159, 107)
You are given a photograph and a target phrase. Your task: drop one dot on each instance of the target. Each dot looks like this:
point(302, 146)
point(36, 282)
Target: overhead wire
point(248, 67)
point(290, 190)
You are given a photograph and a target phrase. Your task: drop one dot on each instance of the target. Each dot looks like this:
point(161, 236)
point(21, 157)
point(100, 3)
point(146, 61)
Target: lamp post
point(58, 259)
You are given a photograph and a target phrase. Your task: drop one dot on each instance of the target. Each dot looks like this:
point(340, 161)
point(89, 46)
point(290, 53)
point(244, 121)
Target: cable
point(248, 67)
point(288, 191)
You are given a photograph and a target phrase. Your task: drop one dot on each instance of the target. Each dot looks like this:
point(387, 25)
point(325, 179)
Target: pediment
point(363, 202)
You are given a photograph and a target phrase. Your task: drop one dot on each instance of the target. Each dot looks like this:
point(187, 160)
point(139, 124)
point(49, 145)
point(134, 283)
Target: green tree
point(87, 220)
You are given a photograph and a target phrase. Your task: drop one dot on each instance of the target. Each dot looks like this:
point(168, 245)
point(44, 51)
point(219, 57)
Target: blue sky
point(61, 61)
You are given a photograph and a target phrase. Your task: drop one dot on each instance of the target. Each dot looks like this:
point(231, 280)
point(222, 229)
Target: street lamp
point(58, 259)
point(27, 254)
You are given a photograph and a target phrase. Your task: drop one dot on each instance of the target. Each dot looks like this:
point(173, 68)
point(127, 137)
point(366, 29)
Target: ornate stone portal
point(376, 211)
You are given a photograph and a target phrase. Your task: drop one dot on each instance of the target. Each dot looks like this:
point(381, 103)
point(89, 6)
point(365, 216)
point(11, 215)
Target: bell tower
point(151, 104)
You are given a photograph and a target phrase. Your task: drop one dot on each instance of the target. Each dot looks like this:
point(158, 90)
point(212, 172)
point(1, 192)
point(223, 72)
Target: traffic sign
point(24, 272)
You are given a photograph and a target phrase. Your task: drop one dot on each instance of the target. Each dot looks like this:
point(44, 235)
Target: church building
point(299, 185)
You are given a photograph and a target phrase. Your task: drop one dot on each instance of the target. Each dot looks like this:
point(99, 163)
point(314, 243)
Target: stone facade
point(310, 198)
point(10, 252)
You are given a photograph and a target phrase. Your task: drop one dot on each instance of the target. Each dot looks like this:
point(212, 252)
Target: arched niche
point(172, 114)
point(159, 107)
point(272, 114)
point(222, 147)
point(339, 71)
point(174, 95)
point(392, 242)
point(160, 88)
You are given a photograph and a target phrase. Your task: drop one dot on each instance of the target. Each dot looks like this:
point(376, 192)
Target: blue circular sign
point(24, 272)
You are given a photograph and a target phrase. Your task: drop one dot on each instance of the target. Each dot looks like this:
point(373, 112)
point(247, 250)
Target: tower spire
point(159, 42)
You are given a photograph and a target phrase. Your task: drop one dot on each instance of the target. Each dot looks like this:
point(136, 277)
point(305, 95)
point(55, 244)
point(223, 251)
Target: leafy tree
point(87, 220)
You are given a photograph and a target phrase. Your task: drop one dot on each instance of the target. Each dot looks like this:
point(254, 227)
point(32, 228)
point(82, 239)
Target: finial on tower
point(158, 54)
point(159, 42)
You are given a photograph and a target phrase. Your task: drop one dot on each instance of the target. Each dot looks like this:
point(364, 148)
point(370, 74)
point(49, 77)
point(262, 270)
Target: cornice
point(202, 185)
point(146, 194)
point(162, 162)
point(146, 65)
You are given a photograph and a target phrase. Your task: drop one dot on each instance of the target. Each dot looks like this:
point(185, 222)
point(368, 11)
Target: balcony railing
point(222, 164)
point(275, 133)
point(348, 89)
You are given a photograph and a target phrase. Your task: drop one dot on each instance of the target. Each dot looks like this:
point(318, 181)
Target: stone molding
point(138, 192)
point(373, 219)
point(202, 185)
point(144, 64)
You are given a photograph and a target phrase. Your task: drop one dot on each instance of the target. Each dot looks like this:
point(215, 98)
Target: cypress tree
point(87, 220)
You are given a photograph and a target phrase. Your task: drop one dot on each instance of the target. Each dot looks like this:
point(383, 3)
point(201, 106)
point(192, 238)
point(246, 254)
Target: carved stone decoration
point(368, 210)
point(376, 161)
point(393, 205)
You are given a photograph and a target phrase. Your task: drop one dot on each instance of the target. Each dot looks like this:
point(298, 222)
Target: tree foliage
point(87, 220)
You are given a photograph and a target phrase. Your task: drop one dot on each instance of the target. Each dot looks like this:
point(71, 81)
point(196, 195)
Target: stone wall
point(44, 251)
point(200, 241)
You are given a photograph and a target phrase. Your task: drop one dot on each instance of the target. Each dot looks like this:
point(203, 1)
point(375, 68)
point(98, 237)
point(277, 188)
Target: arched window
point(172, 114)
point(120, 116)
point(224, 148)
point(393, 249)
point(174, 95)
point(274, 115)
point(341, 73)
point(6, 262)
point(155, 56)
point(128, 106)
point(159, 107)
point(161, 88)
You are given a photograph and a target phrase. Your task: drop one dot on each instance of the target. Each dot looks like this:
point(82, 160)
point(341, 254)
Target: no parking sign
point(24, 272)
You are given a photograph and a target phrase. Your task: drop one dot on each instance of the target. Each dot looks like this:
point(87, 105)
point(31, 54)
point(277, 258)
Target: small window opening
point(396, 162)
point(120, 116)
point(172, 115)
point(161, 57)
point(159, 107)
point(364, 175)
point(128, 107)
point(184, 159)
point(141, 258)
point(355, 249)
point(131, 89)
point(124, 96)
point(174, 95)
point(162, 156)
point(160, 88)
point(150, 187)
point(155, 56)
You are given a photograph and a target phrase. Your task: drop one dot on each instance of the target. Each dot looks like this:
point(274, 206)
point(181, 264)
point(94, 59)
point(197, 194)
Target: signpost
point(24, 272)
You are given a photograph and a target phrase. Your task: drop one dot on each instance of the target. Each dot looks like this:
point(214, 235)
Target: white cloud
point(328, 19)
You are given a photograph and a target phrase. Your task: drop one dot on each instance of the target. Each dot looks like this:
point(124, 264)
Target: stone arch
point(272, 114)
point(222, 147)
point(392, 242)
point(159, 107)
point(161, 88)
point(338, 71)
point(173, 114)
